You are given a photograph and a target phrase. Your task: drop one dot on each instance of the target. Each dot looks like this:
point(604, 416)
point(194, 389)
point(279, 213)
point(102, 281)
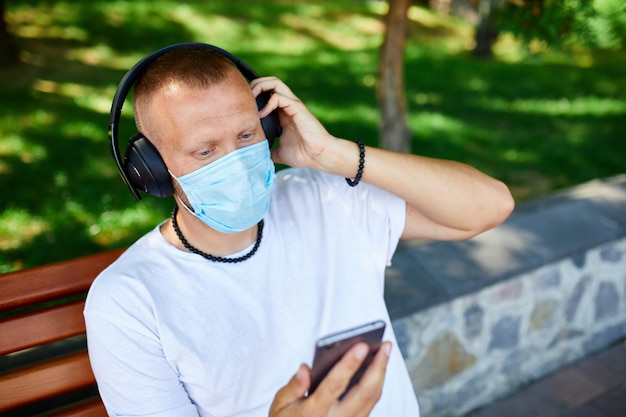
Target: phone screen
point(330, 349)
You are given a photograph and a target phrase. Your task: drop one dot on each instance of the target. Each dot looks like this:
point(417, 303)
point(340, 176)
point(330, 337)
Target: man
point(213, 312)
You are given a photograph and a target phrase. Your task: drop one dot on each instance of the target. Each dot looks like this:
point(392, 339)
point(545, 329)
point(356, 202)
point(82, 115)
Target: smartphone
point(330, 349)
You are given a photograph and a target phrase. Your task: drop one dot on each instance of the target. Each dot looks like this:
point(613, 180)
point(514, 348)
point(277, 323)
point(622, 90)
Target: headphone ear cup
point(145, 168)
point(270, 123)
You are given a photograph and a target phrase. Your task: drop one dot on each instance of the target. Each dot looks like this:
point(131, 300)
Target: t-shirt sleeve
point(381, 214)
point(393, 219)
point(133, 376)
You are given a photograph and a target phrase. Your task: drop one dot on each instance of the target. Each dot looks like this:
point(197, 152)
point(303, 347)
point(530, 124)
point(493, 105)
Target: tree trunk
point(394, 132)
point(486, 34)
point(8, 50)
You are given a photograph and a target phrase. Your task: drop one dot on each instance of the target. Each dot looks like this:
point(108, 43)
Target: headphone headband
point(146, 175)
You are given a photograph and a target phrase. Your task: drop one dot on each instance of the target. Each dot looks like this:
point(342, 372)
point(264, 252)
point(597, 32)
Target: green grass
point(538, 124)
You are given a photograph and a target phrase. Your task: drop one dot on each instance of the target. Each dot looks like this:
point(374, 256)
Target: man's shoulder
point(137, 257)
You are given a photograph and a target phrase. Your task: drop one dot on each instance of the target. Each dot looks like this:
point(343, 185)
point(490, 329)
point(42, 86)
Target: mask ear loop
point(180, 200)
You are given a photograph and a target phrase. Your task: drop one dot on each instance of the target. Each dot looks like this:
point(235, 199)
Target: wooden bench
point(44, 368)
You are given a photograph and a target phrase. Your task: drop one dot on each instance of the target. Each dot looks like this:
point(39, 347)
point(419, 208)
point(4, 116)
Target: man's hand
point(290, 401)
point(304, 139)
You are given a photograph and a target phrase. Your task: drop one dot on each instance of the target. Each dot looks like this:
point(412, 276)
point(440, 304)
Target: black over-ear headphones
point(142, 167)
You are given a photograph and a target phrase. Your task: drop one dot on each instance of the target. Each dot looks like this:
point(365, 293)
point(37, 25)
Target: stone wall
point(476, 320)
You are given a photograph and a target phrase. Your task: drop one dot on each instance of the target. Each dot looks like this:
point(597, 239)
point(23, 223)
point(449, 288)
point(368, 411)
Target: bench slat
point(42, 381)
point(41, 327)
point(39, 284)
point(39, 306)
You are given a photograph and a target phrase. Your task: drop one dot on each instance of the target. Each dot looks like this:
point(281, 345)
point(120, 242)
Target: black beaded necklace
point(211, 257)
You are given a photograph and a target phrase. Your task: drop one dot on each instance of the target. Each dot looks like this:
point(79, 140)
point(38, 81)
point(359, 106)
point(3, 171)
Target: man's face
point(194, 127)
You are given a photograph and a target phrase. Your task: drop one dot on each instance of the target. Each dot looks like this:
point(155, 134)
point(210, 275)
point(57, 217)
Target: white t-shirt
point(173, 334)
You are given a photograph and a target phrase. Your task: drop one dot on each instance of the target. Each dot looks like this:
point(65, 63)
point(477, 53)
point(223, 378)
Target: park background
point(541, 116)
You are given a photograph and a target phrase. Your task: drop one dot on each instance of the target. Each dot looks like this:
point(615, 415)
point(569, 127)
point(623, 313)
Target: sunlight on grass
point(509, 49)
point(88, 97)
point(366, 25)
point(340, 37)
point(67, 33)
point(101, 167)
point(19, 147)
point(111, 226)
point(115, 225)
point(18, 226)
point(517, 155)
point(26, 119)
point(430, 124)
point(205, 25)
point(98, 100)
point(579, 106)
point(52, 21)
point(427, 98)
point(119, 13)
point(82, 130)
point(442, 31)
point(102, 55)
point(357, 114)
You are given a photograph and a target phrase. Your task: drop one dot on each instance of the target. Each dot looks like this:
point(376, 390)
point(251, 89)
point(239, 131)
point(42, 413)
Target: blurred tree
point(609, 24)
point(561, 24)
point(8, 49)
point(394, 131)
point(557, 24)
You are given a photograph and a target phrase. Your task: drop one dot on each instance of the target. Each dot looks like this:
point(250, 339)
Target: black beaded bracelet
point(359, 173)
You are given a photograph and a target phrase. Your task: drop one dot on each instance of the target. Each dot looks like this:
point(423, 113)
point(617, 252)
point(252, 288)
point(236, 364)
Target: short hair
point(194, 67)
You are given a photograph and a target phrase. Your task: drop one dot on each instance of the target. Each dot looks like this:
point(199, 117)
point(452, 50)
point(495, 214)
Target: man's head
point(183, 72)
point(200, 114)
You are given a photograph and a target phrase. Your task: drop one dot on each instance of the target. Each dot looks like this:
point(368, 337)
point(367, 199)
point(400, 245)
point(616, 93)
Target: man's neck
point(206, 239)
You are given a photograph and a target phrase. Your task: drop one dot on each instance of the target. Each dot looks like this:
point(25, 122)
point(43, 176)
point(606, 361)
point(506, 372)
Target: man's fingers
point(369, 389)
point(292, 393)
point(271, 84)
point(282, 97)
point(371, 383)
point(337, 380)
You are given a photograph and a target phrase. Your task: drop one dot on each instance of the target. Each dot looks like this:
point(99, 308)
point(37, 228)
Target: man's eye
point(246, 136)
point(204, 153)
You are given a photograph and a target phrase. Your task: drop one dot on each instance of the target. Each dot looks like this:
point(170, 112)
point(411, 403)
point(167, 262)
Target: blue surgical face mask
point(232, 193)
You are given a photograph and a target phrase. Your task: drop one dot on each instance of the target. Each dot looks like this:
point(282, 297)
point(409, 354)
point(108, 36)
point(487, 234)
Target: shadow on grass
point(534, 126)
